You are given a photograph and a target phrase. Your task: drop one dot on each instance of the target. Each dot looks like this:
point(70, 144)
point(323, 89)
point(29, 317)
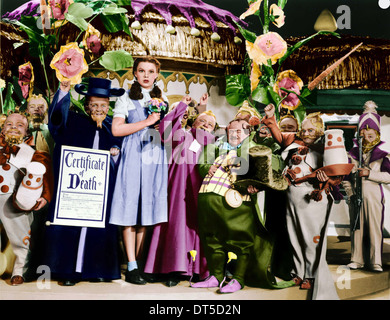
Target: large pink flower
point(59, 8)
point(272, 46)
point(269, 46)
point(289, 80)
point(69, 63)
point(26, 78)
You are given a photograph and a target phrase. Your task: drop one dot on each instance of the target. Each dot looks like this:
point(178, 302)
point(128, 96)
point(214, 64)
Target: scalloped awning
point(187, 8)
point(216, 45)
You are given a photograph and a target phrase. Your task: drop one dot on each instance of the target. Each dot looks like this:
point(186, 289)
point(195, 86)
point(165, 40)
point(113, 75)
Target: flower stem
point(91, 20)
point(92, 62)
point(44, 71)
point(1, 100)
point(266, 17)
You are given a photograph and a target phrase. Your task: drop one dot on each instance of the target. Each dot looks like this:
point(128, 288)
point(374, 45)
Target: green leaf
point(238, 89)
point(33, 34)
point(77, 13)
point(33, 23)
point(9, 103)
point(42, 49)
point(112, 8)
point(300, 113)
point(248, 35)
point(78, 104)
point(120, 23)
point(265, 95)
point(268, 71)
point(260, 94)
point(116, 60)
point(80, 10)
point(282, 3)
point(124, 2)
point(39, 44)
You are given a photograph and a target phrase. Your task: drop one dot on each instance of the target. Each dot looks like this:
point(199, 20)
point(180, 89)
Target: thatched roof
point(189, 52)
point(367, 68)
point(9, 55)
point(186, 51)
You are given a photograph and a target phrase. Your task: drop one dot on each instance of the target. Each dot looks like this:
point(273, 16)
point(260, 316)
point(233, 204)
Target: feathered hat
point(370, 118)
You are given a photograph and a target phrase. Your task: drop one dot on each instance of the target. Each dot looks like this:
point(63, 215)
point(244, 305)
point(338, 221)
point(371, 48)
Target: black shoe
point(68, 283)
point(172, 282)
point(151, 278)
point(99, 280)
point(134, 277)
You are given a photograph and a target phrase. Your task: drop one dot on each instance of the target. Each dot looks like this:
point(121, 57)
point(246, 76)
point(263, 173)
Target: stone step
point(350, 284)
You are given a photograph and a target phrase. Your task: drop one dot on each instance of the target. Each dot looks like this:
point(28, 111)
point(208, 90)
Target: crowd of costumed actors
point(193, 212)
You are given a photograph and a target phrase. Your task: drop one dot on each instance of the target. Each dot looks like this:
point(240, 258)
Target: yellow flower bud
point(231, 256)
point(193, 254)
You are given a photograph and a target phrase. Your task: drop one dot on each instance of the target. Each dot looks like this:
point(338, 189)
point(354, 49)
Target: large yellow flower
point(69, 63)
point(289, 80)
point(253, 8)
point(268, 46)
point(254, 53)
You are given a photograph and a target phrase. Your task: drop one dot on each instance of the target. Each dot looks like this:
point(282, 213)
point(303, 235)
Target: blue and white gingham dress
point(140, 194)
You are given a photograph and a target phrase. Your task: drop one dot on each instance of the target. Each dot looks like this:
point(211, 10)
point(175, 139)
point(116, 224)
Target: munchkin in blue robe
point(79, 253)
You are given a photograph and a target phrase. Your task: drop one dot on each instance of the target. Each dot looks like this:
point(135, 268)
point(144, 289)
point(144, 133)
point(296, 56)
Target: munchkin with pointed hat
point(374, 173)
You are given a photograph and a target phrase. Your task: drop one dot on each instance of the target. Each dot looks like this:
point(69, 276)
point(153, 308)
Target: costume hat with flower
point(98, 87)
point(260, 174)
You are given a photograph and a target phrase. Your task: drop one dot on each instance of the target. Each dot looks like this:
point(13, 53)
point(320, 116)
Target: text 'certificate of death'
point(82, 187)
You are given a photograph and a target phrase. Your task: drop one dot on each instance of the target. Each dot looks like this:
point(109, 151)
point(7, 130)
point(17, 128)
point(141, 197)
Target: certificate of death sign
point(82, 187)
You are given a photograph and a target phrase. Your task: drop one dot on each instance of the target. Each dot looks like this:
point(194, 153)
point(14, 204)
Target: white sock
point(131, 265)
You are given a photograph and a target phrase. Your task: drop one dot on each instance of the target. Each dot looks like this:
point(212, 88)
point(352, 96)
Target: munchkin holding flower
point(83, 253)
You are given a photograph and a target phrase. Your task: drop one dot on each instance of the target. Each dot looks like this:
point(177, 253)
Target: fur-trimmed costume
point(17, 223)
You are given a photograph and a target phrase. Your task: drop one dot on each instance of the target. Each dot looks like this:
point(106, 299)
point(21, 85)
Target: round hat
point(98, 87)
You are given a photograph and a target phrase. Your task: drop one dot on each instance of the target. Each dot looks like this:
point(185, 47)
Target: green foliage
point(77, 13)
point(44, 45)
point(238, 88)
point(116, 60)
